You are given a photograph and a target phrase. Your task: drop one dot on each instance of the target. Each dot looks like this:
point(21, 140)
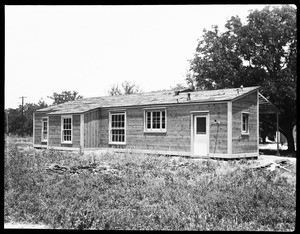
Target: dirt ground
point(12, 225)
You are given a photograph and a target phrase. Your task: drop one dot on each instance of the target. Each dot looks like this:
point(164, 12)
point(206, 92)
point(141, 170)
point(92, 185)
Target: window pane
point(66, 128)
point(44, 129)
point(201, 125)
point(163, 120)
point(156, 120)
point(245, 122)
point(148, 120)
point(118, 125)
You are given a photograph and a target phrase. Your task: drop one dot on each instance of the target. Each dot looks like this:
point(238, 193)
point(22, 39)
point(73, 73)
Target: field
point(143, 192)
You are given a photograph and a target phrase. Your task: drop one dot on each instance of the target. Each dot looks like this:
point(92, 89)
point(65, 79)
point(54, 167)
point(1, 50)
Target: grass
point(149, 193)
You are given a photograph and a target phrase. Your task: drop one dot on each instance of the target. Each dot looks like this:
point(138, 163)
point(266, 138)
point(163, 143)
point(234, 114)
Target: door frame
point(199, 113)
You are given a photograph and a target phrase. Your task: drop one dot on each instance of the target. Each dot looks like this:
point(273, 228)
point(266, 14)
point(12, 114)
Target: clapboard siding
point(92, 129)
point(178, 135)
point(55, 131)
point(76, 131)
point(244, 143)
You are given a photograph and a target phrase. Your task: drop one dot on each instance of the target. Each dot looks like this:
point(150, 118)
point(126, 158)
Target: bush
point(152, 193)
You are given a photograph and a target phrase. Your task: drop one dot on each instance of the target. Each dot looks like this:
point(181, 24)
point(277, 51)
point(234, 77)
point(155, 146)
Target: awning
point(265, 106)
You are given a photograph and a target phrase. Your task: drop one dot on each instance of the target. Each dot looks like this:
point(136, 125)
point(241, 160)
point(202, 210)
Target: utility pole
point(22, 115)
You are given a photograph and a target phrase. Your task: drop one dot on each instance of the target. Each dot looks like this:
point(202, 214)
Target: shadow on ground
point(283, 153)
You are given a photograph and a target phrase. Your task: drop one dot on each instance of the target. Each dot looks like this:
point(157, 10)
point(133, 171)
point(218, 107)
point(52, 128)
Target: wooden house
point(214, 123)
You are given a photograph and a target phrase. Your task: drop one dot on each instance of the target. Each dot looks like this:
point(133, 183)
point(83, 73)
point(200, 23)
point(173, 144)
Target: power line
point(22, 115)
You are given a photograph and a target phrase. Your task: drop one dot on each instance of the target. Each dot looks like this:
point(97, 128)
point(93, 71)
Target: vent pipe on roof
point(188, 97)
point(238, 90)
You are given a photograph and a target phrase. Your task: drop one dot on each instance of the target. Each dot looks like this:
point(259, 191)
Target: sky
point(90, 48)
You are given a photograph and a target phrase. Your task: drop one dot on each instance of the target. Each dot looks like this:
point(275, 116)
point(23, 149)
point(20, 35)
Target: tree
point(115, 90)
point(127, 88)
point(263, 52)
point(178, 86)
point(15, 118)
point(65, 96)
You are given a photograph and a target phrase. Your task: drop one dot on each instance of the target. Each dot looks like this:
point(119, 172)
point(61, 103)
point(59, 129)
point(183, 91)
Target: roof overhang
point(265, 106)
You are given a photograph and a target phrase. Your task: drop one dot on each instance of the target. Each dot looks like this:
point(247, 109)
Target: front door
point(200, 135)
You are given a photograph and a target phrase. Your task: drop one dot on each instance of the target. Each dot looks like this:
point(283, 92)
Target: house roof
point(147, 99)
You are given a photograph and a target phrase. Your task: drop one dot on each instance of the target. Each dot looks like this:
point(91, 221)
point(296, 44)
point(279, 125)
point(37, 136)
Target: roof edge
point(245, 94)
point(145, 105)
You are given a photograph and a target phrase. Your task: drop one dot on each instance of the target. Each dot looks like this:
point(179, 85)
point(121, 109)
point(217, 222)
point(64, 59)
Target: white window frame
point(151, 110)
point(44, 120)
point(242, 123)
point(62, 129)
point(111, 113)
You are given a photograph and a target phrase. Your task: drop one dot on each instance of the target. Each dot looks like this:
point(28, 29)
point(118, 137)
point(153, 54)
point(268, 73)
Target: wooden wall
point(55, 131)
point(178, 126)
point(244, 143)
point(92, 129)
point(178, 135)
point(37, 128)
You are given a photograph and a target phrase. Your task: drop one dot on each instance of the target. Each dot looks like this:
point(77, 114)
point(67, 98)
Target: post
point(277, 135)
point(229, 128)
point(22, 115)
point(81, 131)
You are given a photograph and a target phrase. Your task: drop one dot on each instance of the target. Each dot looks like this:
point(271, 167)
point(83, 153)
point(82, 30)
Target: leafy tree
point(263, 52)
point(65, 96)
point(16, 121)
point(178, 86)
point(127, 88)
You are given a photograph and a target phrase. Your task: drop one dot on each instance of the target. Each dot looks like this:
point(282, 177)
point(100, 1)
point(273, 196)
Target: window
point(117, 128)
point(44, 129)
point(245, 123)
point(201, 125)
point(66, 133)
point(155, 120)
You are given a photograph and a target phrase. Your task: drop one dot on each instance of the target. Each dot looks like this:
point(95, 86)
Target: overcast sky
point(89, 48)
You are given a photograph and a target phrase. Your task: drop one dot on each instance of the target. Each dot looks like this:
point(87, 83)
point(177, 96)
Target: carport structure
point(266, 107)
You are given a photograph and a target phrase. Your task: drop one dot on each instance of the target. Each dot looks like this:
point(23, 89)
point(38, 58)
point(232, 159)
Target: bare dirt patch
point(12, 225)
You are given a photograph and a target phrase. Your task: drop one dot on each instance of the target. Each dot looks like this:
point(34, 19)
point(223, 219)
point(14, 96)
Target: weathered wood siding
point(37, 128)
point(244, 143)
point(92, 132)
point(178, 135)
point(76, 131)
point(55, 131)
